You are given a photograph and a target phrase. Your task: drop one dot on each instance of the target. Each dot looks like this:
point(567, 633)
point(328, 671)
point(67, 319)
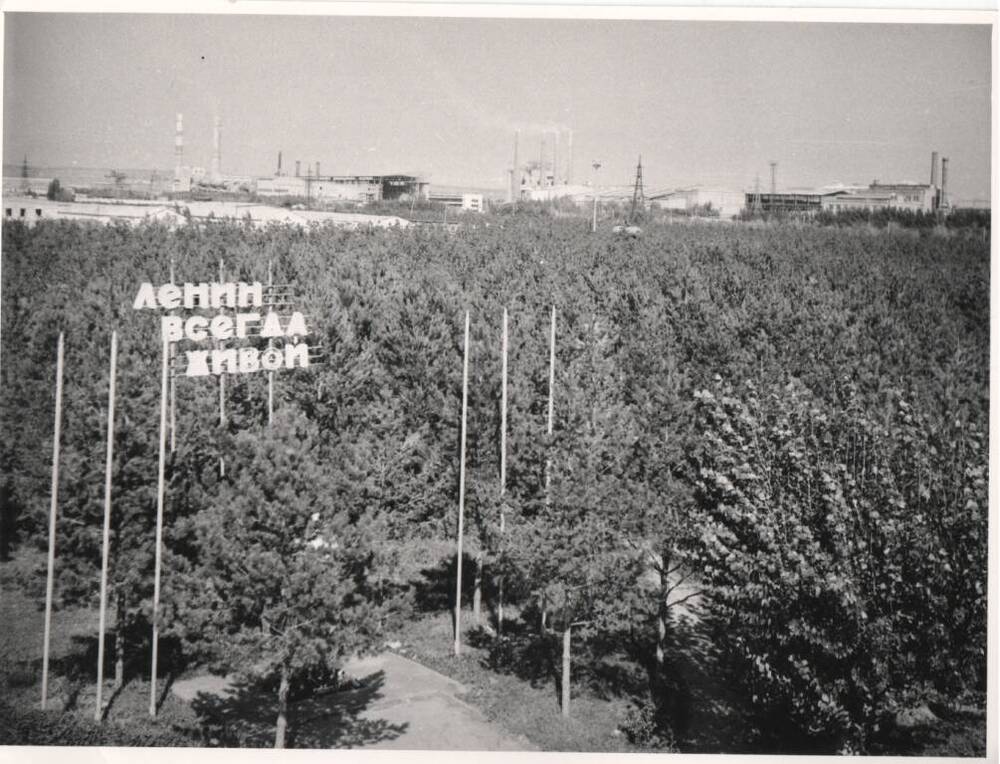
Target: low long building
point(797, 200)
point(700, 199)
point(348, 188)
point(33, 210)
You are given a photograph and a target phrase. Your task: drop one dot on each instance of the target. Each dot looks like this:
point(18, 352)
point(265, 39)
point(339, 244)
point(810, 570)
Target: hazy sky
point(703, 102)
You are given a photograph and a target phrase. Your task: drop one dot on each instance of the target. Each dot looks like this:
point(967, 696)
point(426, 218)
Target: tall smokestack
point(216, 168)
point(934, 169)
point(541, 162)
point(279, 164)
point(569, 158)
point(517, 167)
point(317, 169)
point(555, 158)
point(179, 145)
point(298, 167)
point(943, 202)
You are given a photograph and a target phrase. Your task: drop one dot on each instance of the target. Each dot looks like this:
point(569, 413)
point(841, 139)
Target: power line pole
point(638, 196)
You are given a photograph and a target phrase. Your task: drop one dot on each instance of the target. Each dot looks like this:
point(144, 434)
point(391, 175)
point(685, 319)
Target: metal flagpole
point(52, 520)
point(461, 491)
point(222, 390)
point(159, 527)
point(173, 383)
point(552, 387)
point(107, 523)
point(270, 344)
point(503, 455)
point(548, 459)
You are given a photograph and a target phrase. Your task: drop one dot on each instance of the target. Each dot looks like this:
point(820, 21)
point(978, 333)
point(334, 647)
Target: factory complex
point(549, 179)
point(546, 177)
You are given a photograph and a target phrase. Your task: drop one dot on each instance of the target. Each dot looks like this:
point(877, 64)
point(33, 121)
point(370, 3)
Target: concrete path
point(403, 705)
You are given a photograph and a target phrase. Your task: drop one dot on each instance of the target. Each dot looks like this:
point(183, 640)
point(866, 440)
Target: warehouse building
point(700, 200)
point(795, 200)
point(912, 197)
point(462, 201)
point(360, 189)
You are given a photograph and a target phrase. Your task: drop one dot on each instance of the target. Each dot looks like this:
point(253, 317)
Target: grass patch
point(522, 708)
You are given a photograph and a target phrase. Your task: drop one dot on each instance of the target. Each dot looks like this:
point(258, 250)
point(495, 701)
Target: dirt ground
point(403, 705)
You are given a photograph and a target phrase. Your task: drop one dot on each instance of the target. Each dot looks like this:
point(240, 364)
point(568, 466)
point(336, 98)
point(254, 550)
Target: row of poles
point(167, 393)
point(503, 455)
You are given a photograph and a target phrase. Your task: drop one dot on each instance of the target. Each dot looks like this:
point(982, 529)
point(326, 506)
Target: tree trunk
point(567, 636)
point(282, 724)
point(477, 594)
point(119, 640)
point(662, 613)
point(500, 606)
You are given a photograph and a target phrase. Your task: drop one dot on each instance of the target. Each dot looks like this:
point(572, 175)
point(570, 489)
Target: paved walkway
point(404, 705)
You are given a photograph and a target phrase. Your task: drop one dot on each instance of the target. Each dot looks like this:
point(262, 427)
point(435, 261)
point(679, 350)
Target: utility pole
point(597, 166)
point(638, 196)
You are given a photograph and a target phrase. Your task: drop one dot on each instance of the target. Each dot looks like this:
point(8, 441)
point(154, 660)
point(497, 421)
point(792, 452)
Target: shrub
point(25, 726)
point(844, 560)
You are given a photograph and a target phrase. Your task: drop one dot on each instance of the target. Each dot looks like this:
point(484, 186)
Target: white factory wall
point(725, 201)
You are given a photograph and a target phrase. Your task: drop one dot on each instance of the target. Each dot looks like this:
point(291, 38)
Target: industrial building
point(698, 200)
point(347, 188)
point(794, 200)
point(913, 197)
point(548, 177)
point(462, 201)
point(312, 185)
point(32, 211)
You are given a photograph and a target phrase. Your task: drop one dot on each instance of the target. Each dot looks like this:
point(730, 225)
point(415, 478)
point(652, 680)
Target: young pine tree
point(277, 588)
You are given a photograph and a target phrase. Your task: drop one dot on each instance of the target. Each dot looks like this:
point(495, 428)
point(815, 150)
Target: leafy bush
point(845, 561)
point(642, 729)
point(26, 726)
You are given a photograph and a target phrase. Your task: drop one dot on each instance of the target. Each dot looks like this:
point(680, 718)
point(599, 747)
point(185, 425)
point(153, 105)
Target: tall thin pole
point(222, 390)
point(517, 169)
point(107, 523)
point(270, 344)
point(173, 383)
point(552, 388)
point(52, 519)
point(461, 492)
point(159, 529)
point(597, 166)
point(503, 453)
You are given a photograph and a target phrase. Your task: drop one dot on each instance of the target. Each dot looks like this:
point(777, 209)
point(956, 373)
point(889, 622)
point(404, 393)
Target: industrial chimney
point(555, 158)
point(516, 182)
point(569, 158)
point(934, 169)
point(298, 167)
point(541, 161)
point(943, 199)
point(279, 165)
point(179, 146)
point(216, 168)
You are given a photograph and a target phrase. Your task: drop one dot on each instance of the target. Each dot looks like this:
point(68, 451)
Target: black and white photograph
point(496, 379)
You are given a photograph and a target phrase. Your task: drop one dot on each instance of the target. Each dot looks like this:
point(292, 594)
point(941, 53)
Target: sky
point(702, 102)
